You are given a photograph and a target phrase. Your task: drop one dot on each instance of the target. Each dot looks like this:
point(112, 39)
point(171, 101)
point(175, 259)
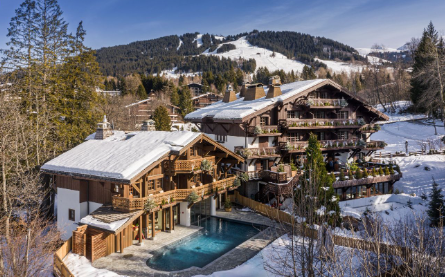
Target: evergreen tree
point(308, 73)
point(436, 207)
point(315, 170)
point(161, 118)
point(174, 97)
point(186, 103)
point(141, 93)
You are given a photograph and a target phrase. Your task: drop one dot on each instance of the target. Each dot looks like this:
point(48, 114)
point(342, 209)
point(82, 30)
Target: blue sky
point(359, 23)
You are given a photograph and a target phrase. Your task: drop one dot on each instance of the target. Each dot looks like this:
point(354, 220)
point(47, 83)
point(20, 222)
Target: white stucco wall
point(184, 214)
point(84, 208)
point(67, 199)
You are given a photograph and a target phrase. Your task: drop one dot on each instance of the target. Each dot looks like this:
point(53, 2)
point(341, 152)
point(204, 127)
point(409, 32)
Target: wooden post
point(121, 242)
point(140, 229)
point(172, 224)
point(115, 243)
point(153, 223)
point(147, 225)
point(163, 220)
point(188, 154)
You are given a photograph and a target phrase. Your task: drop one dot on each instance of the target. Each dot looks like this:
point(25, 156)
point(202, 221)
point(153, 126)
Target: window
point(293, 114)
point(319, 114)
point(293, 137)
point(343, 115)
point(150, 185)
point(343, 135)
point(264, 121)
point(71, 214)
point(221, 138)
point(158, 184)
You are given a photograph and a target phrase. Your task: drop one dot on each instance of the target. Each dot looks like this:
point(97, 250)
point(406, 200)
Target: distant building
point(143, 110)
point(205, 100)
point(195, 89)
point(109, 92)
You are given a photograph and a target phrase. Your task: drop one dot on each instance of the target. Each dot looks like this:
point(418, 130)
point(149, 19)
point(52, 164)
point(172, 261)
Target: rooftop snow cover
point(112, 226)
point(120, 156)
point(239, 108)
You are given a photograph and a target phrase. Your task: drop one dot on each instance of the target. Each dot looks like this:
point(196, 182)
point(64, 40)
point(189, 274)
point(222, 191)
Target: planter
point(228, 209)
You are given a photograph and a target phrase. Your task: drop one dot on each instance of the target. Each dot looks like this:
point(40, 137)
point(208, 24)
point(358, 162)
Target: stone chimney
point(274, 87)
point(103, 130)
point(254, 91)
point(230, 94)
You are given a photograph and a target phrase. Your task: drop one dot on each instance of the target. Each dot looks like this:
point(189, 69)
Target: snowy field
point(339, 67)
point(365, 51)
point(262, 56)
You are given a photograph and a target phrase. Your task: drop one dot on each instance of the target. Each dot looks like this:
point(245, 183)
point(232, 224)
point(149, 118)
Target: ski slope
point(262, 56)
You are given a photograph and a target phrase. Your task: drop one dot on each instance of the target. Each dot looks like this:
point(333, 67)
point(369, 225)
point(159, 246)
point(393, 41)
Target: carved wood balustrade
point(185, 166)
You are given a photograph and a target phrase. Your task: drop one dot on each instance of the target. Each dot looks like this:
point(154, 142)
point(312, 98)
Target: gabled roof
point(124, 157)
point(239, 110)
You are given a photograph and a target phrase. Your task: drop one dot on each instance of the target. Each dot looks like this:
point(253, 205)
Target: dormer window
point(264, 121)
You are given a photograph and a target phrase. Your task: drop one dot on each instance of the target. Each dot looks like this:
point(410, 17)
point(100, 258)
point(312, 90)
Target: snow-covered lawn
point(80, 266)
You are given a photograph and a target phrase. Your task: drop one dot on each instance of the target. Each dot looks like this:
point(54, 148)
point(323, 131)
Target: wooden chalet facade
point(117, 188)
point(205, 100)
point(143, 110)
point(273, 127)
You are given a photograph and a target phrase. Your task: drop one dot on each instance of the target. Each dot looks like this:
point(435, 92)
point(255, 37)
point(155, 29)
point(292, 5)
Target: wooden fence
point(60, 269)
point(283, 217)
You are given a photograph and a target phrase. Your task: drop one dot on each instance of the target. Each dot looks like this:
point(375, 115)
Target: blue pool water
point(216, 238)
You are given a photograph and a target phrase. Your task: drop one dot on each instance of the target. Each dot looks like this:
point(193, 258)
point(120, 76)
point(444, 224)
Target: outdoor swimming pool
point(216, 238)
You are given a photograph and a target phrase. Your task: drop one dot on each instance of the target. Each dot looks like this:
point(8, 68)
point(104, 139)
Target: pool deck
point(133, 261)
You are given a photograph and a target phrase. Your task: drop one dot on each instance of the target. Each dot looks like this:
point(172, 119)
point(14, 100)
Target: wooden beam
point(172, 224)
point(140, 229)
point(121, 247)
point(209, 148)
point(222, 155)
point(136, 188)
point(153, 225)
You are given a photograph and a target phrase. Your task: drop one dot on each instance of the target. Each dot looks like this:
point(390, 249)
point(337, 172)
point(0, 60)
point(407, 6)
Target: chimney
point(274, 87)
point(243, 89)
point(230, 95)
point(103, 130)
point(254, 91)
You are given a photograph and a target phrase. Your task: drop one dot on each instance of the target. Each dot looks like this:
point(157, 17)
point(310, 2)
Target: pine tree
point(381, 173)
point(174, 97)
point(436, 205)
point(161, 118)
point(365, 173)
point(342, 175)
point(186, 103)
point(358, 174)
point(315, 169)
point(308, 73)
point(141, 93)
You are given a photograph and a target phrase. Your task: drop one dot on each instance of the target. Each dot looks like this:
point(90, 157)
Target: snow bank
point(80, 266)
point(113, 226)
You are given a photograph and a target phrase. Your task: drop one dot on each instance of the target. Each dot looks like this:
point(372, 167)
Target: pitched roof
point(239, 109)
point(120, 157)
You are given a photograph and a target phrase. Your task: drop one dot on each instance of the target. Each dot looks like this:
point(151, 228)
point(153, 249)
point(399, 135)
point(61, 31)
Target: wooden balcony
point(300, 146)
point(264, 131)
point(253, 175)
point(132, 204)
point(326, 103)
point(186, 166)
point(367, 181)
point(275, 177)
point(370, 128)
point(374, 145)
point(322, 123)
point(255, 153)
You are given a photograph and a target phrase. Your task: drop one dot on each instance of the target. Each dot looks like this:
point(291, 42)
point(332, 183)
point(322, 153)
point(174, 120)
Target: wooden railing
point(300, 146)
point(133, 204)
point(60, 269)
point(323, 123)
point(186, 165)
point(253, 175)
point(250, 153)
point(274, 177)
point(326, 102)
point(367, 181)
point(303, 230)
point(265, 130)
point(375, 144)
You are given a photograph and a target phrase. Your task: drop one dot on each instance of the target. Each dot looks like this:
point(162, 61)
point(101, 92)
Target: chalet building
point(205, 100)
point(118, 187)
point(270, 128)
point(195, 89)
point(143, 110)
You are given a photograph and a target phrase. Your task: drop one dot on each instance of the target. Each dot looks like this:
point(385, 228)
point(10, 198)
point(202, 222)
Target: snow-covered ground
point(172, 74)
point(339, 67)
point(80, 266)
point(376, 60)
point(365, 51)
point(262, 56)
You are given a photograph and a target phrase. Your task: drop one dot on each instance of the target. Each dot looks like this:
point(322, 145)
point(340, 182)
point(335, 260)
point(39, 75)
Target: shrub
point(280, 168)
point(244, 177)
point(350, 174)
point(386, 171)
point(381, 173)
point(227, 204)
point(365, 173)
point(150, 205)
point(193, 197)
point(237, 182)
point(374, 172)
point(206, 165)
point(258, 130)
point(342, 175)
point(358, 174)
point(391, 170)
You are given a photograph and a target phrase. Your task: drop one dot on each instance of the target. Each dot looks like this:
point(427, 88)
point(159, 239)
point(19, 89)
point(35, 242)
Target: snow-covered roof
point(238, 109)
point(120, 156)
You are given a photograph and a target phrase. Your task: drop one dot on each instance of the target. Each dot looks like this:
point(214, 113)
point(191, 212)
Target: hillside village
point(261, 153)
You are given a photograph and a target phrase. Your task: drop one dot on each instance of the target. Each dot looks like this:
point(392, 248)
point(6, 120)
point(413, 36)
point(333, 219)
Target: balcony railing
point(300, 146)
point(328, 103)
point(132, 204)
point(264, 130)
point(366, 181)
point(323, 123)
point(184, 166)
point(252, 153)
point(370, 128)
point(253, 175)
point(275, 177)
